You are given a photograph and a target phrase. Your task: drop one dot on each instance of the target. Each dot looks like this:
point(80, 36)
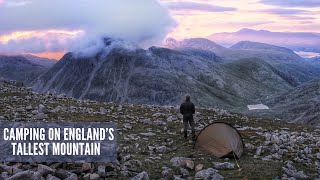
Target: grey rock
point(189, 164)
point(291, 173)
point(307, 150)
point(43, 109)
point(127, 126)
point(249, 146)
point(57, 109)
point(10, 169)
point(133, 165)
point(208, 174)
point(29, 108)
point(259, 151)
point(102, 170)
point(224, 165)
point(86, 167)
point(178, 177)
point(179, 161)
point(103, 110)
point(161, 149)
point(45, 170)
point(141, 176)
point(148, 134)
point(35, 112)
point(198, 167)
point(51, 177)
point(26, 175)
point(184, 172)
point(166, 172)
point(40, 116)
point(4, 175)
point(66, 175)
point(90, 176)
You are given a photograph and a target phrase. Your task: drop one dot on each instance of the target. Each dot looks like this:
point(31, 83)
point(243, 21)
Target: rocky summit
point(151, 144)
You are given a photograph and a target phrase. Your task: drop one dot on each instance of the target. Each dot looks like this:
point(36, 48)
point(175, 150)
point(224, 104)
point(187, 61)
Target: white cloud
point(140, 21)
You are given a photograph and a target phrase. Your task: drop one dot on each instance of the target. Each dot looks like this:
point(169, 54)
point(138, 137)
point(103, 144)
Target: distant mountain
point(195, 43)
point(249, 45)
point(163, 76)
point(275, 53)
point(301, 104)
point(297, 41)
point(45, 62)
point(199, 47)
point(241, 50)
point(19, 68)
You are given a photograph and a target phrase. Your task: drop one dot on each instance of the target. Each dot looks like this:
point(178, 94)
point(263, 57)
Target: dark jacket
point(187, 109)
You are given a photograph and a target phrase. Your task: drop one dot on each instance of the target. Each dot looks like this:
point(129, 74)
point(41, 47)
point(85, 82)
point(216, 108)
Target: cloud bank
point(293, 3)
point(281, 11)
point(198, 6)
point(144, 22)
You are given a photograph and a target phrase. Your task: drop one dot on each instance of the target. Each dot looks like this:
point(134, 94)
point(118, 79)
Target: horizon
point(190, 19)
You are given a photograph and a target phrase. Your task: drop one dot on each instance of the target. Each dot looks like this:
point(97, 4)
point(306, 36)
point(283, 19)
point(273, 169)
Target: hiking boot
point(185, 135)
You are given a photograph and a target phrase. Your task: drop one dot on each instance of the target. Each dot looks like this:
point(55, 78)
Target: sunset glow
point(252, 14)
point(50, 55)
point(16, 36)
point(29, 34)
point(194, 18)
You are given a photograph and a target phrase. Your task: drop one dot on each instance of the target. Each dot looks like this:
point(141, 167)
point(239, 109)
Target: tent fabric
point(221, 140)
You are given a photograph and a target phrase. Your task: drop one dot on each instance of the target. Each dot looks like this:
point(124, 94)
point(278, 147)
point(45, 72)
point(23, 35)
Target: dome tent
point(221, 140)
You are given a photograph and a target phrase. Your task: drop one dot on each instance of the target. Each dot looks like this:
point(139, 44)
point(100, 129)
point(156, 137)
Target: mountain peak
point(263, 47)
point(195, 43)
point(258, 45)
point(103, 47)
point(245, 30)
point(297, 41)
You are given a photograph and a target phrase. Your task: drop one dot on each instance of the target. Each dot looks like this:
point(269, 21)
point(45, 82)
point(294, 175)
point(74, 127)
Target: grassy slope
point(251, 168)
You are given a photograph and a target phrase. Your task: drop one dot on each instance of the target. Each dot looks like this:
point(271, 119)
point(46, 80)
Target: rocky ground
point(151, 144)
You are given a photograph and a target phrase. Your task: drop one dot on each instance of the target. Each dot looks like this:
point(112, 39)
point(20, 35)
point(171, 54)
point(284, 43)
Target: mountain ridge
point(297, 41)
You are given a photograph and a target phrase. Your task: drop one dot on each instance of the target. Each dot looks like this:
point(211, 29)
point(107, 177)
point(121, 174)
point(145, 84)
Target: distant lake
point(257, 107)
point(307, 54)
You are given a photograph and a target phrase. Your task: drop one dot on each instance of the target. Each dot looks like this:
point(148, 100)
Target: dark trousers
point(187, 121)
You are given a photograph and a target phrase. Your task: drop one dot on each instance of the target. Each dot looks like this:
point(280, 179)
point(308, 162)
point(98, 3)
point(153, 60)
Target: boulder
point(208, 174)
point(199, 167)
point(224, 165)
point(40, 116)
point(51, 177)
point(26, 175)
point(45, 170)
point(179, 161)
point(141, 176)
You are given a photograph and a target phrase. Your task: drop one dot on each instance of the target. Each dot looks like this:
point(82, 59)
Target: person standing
point(187, 109)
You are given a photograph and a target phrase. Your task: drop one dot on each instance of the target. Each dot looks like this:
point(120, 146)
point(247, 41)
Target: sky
point(50, 28)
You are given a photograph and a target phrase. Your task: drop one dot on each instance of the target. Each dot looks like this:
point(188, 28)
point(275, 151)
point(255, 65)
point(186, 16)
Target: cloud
point(15, 3)
point(198, 6)
point(145, 22)
point(293, 3)
point(37, 42)
point(288, 17)
point(281, 11)
point(241, 24)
